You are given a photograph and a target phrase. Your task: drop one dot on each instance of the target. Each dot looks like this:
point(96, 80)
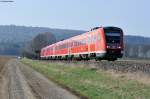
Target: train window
point(74, 43)
point(89, 40)
point(92, 39)
point(85, 41)
point(98, 37)
point(65, 45)
point(95, 38)
point(71, 44)
point(68, 44)
point(79, 42)
point(113, 37)
point(82, 42)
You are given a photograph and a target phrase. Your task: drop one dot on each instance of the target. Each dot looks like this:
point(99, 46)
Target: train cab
point(114, 42)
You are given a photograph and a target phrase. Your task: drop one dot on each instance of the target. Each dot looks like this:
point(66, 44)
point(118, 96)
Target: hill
point(13, 38)
point(17, 34)
point(137, 40)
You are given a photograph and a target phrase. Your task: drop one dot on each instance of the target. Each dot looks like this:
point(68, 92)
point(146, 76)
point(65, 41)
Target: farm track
point(118, 66)
point(18, 81)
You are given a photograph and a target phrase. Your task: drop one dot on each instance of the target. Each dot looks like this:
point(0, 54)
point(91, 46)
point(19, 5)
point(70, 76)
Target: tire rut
point(18, 88)
point(18, 81)
point(42, 87)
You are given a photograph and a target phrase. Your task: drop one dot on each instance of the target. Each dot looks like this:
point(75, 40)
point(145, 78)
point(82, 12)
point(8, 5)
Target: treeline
point(17, 34)
point(8, 48)
point(137, 51)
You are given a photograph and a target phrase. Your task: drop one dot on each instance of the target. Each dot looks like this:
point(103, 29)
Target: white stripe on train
point(96, 52)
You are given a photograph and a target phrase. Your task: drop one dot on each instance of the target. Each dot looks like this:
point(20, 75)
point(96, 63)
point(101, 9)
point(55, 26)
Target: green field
point(95, 84)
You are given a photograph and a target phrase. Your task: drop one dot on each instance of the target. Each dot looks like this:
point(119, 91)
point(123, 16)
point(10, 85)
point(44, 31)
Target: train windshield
point(113, 35)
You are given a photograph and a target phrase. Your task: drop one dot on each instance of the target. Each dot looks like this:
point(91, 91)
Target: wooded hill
point(14, 38)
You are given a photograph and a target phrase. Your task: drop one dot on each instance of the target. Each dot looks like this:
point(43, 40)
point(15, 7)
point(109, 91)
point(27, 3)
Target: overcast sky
point(133, 16)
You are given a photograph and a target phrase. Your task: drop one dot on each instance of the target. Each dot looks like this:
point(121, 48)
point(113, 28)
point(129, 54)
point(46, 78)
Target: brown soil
point(19, 81)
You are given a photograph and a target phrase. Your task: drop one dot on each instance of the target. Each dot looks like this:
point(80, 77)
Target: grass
point(95, 84)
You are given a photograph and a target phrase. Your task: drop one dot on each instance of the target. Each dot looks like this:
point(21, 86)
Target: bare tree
point(33, 49)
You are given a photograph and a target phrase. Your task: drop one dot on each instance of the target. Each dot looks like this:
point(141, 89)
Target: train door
point(89, 39)
point(53, 51)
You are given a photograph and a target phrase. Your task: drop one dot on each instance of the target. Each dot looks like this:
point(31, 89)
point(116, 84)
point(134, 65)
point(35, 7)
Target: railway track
point(120, 65)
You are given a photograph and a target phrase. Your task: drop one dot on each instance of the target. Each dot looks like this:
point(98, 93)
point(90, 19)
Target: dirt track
point(21, 82)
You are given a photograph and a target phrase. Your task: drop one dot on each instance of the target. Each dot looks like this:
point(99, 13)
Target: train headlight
point(108, 46)
point(119, 47)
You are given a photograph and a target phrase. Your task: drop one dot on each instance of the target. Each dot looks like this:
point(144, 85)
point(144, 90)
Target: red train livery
point(99, 43)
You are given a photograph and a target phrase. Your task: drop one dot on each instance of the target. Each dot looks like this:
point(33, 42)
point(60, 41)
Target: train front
point(114, 42)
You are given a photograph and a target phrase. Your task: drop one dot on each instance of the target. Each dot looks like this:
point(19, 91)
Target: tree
point(34, 47)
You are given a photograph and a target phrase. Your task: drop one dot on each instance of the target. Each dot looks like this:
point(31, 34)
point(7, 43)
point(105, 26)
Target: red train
point(99, 43)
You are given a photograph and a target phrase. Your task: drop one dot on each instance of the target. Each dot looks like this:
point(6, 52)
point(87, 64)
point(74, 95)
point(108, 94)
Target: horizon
point(66, 29)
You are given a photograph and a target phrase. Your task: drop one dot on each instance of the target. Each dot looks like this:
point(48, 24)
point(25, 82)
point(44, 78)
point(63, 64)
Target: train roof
point(112, 27)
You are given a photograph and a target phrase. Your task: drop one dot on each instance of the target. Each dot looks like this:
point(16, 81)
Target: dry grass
point(137, 76)
point(93, 82)
point(3, 60)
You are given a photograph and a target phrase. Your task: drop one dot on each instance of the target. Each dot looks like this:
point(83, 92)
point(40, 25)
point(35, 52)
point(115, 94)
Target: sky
point(133, 16)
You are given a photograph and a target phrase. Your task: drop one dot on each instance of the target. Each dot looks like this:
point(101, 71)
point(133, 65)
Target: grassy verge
point(95, 84)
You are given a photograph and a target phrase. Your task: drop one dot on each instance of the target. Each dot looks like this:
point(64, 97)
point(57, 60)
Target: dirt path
point(3, 77)
point(22, 82)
